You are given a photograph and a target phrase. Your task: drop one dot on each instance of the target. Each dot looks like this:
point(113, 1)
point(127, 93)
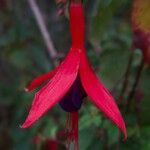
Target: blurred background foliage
point(23, 55)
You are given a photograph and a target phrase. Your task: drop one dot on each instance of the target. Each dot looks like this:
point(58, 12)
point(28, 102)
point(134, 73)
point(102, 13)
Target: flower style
point(72, 80)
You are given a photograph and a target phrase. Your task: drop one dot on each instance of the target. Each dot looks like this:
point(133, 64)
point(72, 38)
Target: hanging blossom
point(71, 82)
point(141, 27)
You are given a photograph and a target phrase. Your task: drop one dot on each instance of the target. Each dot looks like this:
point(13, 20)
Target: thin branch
point(135, 84)
point(44, 31)
point(126, 77)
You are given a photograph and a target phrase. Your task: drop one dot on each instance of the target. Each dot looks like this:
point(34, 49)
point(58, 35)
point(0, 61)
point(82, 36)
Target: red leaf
point(100, 95)
point(52, 93)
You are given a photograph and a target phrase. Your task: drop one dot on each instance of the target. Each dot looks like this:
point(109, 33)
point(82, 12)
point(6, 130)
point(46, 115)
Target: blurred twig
point(44, 31)
point(136, 81)
point(126, 78)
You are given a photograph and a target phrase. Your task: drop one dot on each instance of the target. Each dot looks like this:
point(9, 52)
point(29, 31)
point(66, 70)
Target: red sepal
point(39, 80)
point(99, 94)
point(55, 89)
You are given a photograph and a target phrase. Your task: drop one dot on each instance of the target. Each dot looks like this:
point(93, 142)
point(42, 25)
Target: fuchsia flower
point(71, 81)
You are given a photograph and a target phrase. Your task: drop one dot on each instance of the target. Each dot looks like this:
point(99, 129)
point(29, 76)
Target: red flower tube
point(71, 82)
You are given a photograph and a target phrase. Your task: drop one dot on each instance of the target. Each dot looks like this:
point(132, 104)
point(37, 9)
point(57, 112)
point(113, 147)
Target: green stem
point(126, 77)
point(136, 81)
